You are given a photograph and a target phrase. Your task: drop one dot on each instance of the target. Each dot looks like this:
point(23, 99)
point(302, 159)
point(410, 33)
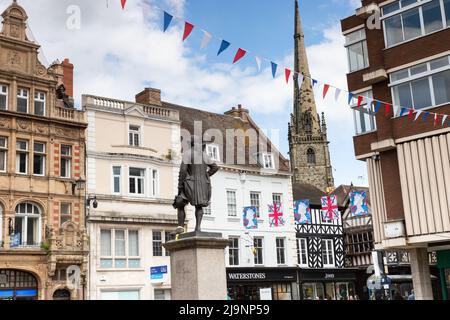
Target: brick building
point(405, 60)
point(41, 170)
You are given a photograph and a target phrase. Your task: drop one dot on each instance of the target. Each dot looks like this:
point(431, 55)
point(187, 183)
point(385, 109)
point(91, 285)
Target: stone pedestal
point(197, 263)
point(420, 270)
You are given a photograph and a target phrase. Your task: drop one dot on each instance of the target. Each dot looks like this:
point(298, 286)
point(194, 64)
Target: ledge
point(384, 145)
point(202, 240)
point(376, 76)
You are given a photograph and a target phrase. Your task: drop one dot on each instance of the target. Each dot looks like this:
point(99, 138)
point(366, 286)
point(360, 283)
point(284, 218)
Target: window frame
point(302, 251)
point(210, 148)
point(114, 176)
point(360, 113)
point(132, 134)
point(26, 216)
point(4, 150)
point(67, 158)
point(281, 250)
point(256, 202)
point(268, 165)
point(42, 155)
point(362, 40)
point(233, 251)
point(113, 257)
point(38, 99)
point(154, 181)
point(5, 94)
point(159, 242)
point(20, 95)
point(25, 152)
point(257, 248)
point(65, 215)
point(136, 179)
point(329, 252)
point(231, 207)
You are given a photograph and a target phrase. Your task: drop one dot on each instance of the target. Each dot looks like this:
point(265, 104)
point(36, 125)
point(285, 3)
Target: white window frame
point(236, 249)
point(154, 182)
point(134, 133)
point(213, 152)
point(38, 98)
point(22, 151)
point(362, 40)
point(281, 248)
point(256, 201)
point(302, 249)
point(400, 11)
point(61, 215)
point(4, 87)
point(268, 161)
point(114, 176)
point(21, 95)
point(4, 149)
point(26, 216)
point(1, 226)
point(113, 256)
point(68, 159)
point(262, 251)
point(329, 248)
point(136, 178)
point(365, 105)
point(232, 212)
point(411, 78)
point(43, 155)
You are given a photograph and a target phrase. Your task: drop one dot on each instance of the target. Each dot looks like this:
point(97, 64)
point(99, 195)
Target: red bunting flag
point(239, 55)
point(123, 3)
point(188, 27)
point(287, 73)
point(436, 118)
point(326, 87)
point(388, 108)
point(410, 114)
point(360, 100)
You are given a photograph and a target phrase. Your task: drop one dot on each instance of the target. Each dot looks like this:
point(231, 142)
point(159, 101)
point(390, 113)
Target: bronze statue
point(61, 95)
point(194, 183)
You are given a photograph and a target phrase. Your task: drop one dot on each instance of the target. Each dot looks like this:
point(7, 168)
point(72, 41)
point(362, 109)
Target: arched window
point(311, 156)
point(27, 227)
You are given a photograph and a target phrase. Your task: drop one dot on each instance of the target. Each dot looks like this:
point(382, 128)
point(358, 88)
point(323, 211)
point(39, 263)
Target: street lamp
point(78, 184)
point(93, 200)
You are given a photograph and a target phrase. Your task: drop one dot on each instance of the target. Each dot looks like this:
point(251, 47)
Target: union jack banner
point(276, 215)
point(302, 212)
point(330, 209)
point(358, 204)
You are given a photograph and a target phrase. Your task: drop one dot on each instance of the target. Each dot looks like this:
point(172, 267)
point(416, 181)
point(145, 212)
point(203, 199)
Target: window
point(364, 116)
point(39, 103)
point(117, 177)
point(66, 161)
point(22, 156)
point(65, 213)
point(137, 180)
point(359, 243)
point(27, 224)
point(327, 253)
point(119, 249)
point(213, 152)
point(168, 237)
point(447, 11)
point(302, 255)
point(3, 97)
point(356, 45)
point(134, 136)
point(406, 20)
point(162, 294)
point(267, 161)
point(120, 295)
point(231, 203)
point(281, 251)
point(155, 183)
point(207, 210)
point(157, 244)
point(255, 202)
point(39, 159)
point(233, 251)
point(422, 86)
point(258, 246)
point(3, 153)
point(22, 100)
point(276, 198)
point(311, 156)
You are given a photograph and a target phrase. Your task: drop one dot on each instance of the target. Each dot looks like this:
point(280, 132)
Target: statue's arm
point(213, 168)
point(182, 176)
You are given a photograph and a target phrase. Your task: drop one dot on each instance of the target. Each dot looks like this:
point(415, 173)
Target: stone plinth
point(197, 263)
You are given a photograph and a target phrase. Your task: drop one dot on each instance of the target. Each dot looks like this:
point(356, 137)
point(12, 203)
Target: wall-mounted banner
point(250, 217)
point(358, 204)
point(276, 215)
point(330, 210)
point(302, 212)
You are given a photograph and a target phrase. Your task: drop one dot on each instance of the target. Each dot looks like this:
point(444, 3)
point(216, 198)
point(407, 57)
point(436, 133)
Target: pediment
point(135, 111)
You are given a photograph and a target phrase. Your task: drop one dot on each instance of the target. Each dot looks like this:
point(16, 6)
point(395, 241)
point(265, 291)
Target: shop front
point(327, 284)
point(443, 264)
point(17, 285)
point(262, 283)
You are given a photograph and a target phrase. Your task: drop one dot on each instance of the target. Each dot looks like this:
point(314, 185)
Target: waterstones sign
point(247, 276)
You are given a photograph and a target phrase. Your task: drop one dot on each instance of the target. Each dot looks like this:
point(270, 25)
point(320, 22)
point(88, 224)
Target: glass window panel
point(411, 24)
point(421, 68)
point(356, 56)
point(32, 231)
point(120, 263)
point(432, 16)
point(441, 83)
point(2, 160)
point(406, 3)
point(134, 263)
point(106, 263)
point(105, 243)
point(402, 95)
point(22, 105)
point(402, 74)
point(394, 33)
point(421, 93)
point(18, 227)
point(120, 243)
point(133, 243)
point(391, 8)
point(447, 11)
point(129, 295)
point(39, 107)
point(439, 63)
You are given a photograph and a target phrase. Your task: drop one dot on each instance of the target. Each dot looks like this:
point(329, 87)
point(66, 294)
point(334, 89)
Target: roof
point(307, 191)
point(343, 192)
point(214, 128)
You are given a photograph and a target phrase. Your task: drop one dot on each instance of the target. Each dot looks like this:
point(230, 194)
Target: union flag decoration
point(330, 210)
point(276, 215)
point(358, 204)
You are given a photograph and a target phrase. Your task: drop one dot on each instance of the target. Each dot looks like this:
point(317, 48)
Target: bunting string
point(361, 100)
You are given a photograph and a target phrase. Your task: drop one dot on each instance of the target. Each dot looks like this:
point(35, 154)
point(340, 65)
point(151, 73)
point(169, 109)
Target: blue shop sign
point(157, 273)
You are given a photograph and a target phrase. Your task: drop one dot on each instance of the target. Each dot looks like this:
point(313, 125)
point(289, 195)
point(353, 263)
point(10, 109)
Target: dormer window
point(213, 152)
point(134, 136)
point(267, 161)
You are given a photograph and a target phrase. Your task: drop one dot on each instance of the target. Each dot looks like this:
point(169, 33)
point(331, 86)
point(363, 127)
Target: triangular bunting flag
point(337, 94)
point(274, 68)
point(425, 116)
point(301, 77)
point(167, 20)
point(387, 107)
point(418, 113)
point(395, 109)
point(410, 114)
point(206, 39)
point(377, 106)
point(287, 73)
point(436, 118)
point(402, 112)
point(350, 97)
point(360, 100)
point(223, 46)
point(239, 55)
point(188, 27)
point(258, 62)
point(443, 119)
point(326, 87)
point(314, 82)
point(123, 3)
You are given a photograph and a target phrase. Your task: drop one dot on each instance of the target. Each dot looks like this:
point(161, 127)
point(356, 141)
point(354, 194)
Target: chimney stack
point(68, 76)
point(240, 112)
point(149, 96)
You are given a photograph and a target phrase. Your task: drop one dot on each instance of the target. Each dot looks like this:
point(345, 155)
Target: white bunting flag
point(336, 95)
point(258, 62)
point(418, 113)
point(206, 39)
point(443, 119)
point(395, 109)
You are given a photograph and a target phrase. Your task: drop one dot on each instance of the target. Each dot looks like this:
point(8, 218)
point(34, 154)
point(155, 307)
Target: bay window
point(3, 97)
point(356, 45)
point(27, 224)
point(22, 100)
point(119, 249)
point(22, 156)
point(364, 116)
point(3, 153)
point(422, 86)
point(137, 181)
point(39, 103)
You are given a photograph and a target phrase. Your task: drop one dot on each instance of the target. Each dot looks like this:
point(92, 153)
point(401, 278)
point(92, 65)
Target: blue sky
point(116, 53)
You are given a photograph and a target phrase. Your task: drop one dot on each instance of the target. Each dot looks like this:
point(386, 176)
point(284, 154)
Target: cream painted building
point(132, 170)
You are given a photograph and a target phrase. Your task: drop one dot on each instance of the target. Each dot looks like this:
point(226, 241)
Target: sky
point(118, 52)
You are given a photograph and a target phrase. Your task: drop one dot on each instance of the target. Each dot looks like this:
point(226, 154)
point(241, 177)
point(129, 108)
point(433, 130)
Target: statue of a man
point(194, 183)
